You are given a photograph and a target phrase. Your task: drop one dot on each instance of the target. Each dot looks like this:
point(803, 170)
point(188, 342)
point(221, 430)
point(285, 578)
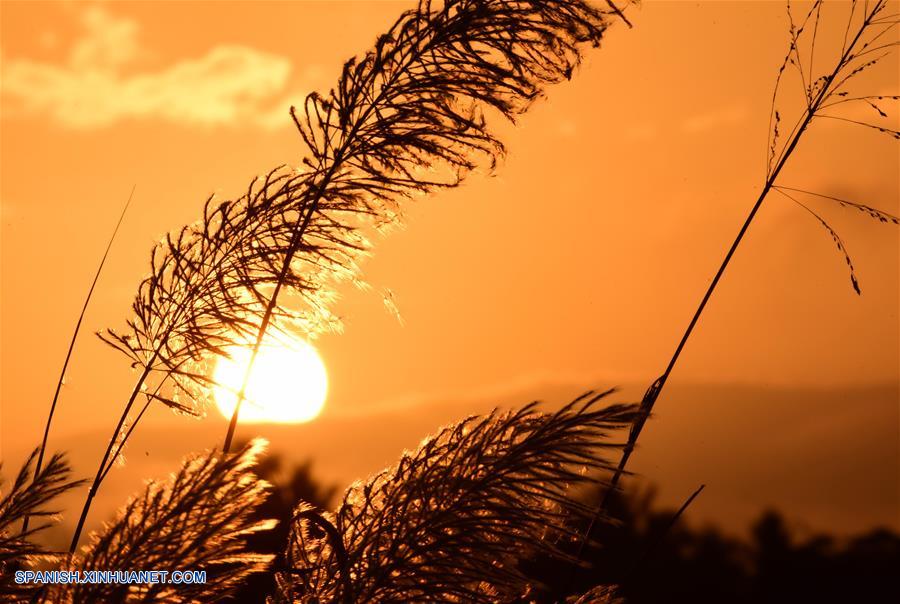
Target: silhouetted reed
point(199, 518)
point(31, 492)
point(408, 117)
point(452, 521)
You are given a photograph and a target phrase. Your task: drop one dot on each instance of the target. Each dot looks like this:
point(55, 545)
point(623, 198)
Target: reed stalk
point(819, 95)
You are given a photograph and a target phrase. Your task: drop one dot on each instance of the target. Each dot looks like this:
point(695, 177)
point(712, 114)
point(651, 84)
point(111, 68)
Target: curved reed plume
point(28, 499)
point(196, 520)
point(451, 521)
point(862, 49)
point(408, 117)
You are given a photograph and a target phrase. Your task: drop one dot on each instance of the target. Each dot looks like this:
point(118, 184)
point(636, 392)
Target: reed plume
point(198, 519)
point(451, 521)
point(406, 118)
point(826, 90)
point(410, 115)
point(29, 499)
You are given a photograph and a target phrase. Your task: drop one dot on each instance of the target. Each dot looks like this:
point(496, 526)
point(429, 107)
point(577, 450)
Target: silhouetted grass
point(201, 518)
point(410, 116)
point(30, 495)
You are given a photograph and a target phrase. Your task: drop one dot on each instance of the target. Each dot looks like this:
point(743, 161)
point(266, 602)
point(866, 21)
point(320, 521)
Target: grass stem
point(653, 392)
point(65, 366)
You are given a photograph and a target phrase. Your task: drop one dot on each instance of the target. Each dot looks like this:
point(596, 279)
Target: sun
point(288, 383)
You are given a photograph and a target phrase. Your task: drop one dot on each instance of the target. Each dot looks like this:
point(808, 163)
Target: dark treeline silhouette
point(651, 559)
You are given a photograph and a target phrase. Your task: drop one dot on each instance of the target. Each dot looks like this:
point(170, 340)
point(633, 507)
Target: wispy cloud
point(99, 84)
point(312, 77)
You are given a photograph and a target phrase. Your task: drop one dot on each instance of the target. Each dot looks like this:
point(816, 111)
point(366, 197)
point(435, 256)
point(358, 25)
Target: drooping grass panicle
point(824, 80)
point(871, 212)
point(841, 246)
point(196, 520)
point(29, 496)
point(866, 210)
point(828, 93)
point(450, 521)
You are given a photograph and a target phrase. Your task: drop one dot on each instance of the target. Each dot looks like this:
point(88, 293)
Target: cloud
point(313, 77)
point(98, 84)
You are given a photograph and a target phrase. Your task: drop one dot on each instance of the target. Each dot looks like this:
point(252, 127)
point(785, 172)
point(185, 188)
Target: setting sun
point(288, 383)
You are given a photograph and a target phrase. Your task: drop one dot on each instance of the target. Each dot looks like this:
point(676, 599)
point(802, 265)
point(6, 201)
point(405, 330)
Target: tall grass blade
point(62, 374)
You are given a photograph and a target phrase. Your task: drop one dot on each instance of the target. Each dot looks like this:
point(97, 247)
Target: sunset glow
point(288, 383)
point(476, 209)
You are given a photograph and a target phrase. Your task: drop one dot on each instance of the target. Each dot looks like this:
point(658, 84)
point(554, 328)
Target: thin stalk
point(118, 451)
point(655, 389)
point(684, 506)
point(103, 468)
point(92, 492)
point(65, 366)
point(296, 240)
point(105, 462)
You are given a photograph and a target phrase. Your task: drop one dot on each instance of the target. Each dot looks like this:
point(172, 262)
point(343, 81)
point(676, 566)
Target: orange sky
point(578, 265)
